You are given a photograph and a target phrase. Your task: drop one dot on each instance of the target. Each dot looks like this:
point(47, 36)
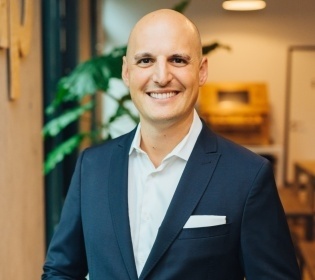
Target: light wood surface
point(308, 254)
point(237, 111)
point(21, 182)
point(308, 166)
point(305, 175)
point(293, 204)
point(4, 40)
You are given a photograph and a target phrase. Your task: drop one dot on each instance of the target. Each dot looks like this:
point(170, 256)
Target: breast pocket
point(204, 232)
point(205, 251)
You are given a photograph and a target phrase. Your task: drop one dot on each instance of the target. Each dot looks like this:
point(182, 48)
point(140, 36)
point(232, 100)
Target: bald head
point(164, 69)
point(168, 22)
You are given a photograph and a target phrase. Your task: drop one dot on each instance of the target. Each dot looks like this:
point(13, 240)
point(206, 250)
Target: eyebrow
point(142, 55)
point(181, 55)
point(175, 55)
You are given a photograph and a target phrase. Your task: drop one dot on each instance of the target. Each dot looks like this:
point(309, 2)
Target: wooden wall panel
point(21, 181)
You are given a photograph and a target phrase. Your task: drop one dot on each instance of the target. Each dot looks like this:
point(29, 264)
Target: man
point(170, 200)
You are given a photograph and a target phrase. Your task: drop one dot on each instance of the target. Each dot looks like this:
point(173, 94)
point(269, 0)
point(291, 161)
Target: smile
point(163, 95)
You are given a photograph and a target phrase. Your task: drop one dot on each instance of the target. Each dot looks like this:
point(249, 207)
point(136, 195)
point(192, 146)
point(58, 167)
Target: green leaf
point(209, 48)
point(126, 97)
point(57, 124)
point(121, 111)
point(88, 78)
point(181, 6)
point(58, 154)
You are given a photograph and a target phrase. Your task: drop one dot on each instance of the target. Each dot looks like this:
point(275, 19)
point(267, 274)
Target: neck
point(158, 141)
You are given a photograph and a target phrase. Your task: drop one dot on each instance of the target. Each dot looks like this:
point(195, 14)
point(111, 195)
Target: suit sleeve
point(66, 258)
point(266, 247)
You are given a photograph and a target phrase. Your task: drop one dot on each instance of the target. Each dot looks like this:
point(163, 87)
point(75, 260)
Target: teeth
point(162, 95)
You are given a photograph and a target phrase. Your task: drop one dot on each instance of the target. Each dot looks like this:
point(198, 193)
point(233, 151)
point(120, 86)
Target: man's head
point(164, 67)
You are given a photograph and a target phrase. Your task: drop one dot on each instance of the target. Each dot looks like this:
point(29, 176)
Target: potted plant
point(87, 79)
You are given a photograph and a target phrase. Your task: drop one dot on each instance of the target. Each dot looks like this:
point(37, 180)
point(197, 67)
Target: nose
point(162, 74)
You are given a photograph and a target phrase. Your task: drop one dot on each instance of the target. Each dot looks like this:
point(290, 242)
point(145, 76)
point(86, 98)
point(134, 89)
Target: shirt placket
point(146, 232)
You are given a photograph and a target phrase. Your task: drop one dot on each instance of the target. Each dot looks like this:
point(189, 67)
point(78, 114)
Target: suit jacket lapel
point(118, 202)
point(190, 189)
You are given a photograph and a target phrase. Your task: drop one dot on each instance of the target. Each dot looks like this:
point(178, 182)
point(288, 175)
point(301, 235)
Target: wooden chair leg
point(309, 234)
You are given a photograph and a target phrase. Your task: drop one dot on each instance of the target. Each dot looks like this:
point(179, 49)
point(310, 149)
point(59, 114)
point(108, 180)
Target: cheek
point(187, 75)
point(136, 96)
point(139, 77)
point(189, 81)
point(137, 101)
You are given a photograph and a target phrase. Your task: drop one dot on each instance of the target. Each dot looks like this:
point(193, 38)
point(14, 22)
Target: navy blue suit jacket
point(220, 178)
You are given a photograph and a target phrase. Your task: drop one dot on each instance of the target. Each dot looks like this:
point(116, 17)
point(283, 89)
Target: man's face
point(163, 70)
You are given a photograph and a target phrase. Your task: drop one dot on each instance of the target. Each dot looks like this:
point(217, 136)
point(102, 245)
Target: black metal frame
point(60, 32)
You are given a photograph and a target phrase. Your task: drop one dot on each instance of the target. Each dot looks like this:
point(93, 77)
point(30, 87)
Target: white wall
point(259, 40)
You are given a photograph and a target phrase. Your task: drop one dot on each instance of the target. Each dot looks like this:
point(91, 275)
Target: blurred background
point(61, 91)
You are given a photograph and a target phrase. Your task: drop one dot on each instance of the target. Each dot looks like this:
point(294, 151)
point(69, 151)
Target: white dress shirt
point(150, 189)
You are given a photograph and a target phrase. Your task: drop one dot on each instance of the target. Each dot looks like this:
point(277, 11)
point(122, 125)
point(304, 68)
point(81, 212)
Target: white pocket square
point(197, 221)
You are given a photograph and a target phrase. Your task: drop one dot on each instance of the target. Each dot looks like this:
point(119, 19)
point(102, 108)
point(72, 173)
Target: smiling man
point(171, 199)
point(164, 69)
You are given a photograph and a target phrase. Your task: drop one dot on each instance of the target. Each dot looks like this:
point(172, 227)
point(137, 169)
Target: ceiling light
point(244, 5)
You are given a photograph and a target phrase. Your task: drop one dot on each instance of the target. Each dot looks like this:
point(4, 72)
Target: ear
point(125, 72)
point(203, 71)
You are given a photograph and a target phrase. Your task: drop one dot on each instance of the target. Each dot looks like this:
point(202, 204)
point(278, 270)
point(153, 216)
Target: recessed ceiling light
point(245, 5)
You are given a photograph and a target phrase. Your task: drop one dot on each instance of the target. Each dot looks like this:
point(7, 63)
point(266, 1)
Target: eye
point(145, 62)
point(179, 61)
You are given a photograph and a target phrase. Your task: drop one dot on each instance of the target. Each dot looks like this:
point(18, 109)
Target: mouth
point(162, 95)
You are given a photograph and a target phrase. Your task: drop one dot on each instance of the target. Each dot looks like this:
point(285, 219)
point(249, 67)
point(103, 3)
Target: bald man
point(171, 199)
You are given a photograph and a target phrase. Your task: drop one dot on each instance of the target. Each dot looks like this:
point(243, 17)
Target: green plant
point(86, 79)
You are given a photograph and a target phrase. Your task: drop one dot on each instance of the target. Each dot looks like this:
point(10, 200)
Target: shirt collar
point(183, 148)
point(135, 145)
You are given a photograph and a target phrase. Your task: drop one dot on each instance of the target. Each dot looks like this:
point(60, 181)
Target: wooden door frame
point(288, 96)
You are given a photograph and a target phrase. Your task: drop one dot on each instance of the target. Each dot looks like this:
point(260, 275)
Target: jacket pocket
point(204, 232)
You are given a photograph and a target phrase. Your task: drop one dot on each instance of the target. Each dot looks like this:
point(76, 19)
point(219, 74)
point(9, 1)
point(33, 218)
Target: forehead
point(164, 36)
